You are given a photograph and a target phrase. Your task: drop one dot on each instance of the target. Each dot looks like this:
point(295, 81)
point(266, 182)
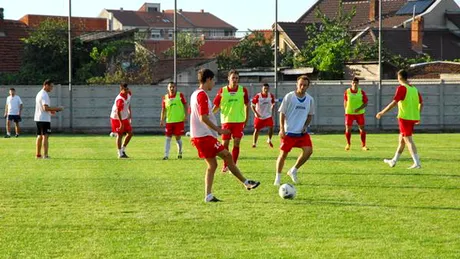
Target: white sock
point(209, 197)
point(294, 170)
point(396, 157)
point(179, 145)
point(416, 159)
point(8, 133)
point(167, 146)
point(120, 152)
point(123, 148)
point(278, 177)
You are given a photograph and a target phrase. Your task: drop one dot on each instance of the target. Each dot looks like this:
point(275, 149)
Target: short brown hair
point(233, 71)
point(48, 82)
point(204, 74)
point(355, 79)
point(304, 77)
point(403, 74)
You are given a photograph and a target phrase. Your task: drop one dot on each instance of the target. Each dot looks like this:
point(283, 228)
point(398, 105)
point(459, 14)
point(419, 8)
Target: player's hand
point(162, 123)
point(379, 115)
point(417, 123)
point(121, 128)
point(53, 112)
point(60, 108)
point(357, 110)
point(224, 131)
point(282, 134)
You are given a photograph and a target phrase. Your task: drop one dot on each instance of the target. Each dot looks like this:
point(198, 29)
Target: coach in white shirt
point(43, 112)
point(13, 110)
point(296, 113)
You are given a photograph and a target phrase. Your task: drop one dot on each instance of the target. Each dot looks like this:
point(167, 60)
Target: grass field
point(86, 203)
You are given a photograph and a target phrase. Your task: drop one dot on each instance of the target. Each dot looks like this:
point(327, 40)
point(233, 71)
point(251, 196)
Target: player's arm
point(129, 113)
point(216, 102)
point(253, 108)
point(184, 102)
point(162, 116)
point(282, 132)
point(48, 108)
point(386, 109)
point(6, 110)
point(364, 105)
point(21, 106)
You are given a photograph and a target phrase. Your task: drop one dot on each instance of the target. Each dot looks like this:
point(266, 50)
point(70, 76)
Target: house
point(187, 69)
point(410, 27)
point(369, 70)
point(80, 25)
point(435, 70)
point(211, 48)
point(11, 45)
point(158, 25)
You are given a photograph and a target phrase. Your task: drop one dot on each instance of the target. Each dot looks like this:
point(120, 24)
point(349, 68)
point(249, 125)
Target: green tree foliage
point(328, 45)
point(188, 46)
point(253, 51)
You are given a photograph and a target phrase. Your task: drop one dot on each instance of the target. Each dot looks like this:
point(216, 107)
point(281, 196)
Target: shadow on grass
point(357, 204)
point(382, 186)
point(387, 174)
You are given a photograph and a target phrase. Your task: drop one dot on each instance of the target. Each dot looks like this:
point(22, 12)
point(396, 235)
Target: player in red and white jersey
point(120, 119)
point(262, 106)
point(204, 132)
point(296, 113)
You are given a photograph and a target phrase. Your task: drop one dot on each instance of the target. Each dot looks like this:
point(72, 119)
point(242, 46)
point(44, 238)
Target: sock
point(363, 138)
point(396, 157)
point(179, 145)
point(8, 133)
point(416, 159)
point(120, 152)
point(123, 148)
point(348, 136)
point(235, 153)
point(167, 146)
point(278, 177)
point(209, 197)
point(293, 170)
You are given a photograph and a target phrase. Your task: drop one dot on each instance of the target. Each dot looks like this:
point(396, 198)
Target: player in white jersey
point(204, 132)
point(296, 113)
point(42, 118)
point(13, 110)
point(120, 119)
point(262, 105)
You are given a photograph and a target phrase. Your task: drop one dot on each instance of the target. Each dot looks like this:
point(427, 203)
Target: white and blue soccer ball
point(112, 134)
point(287, 191)
point(187, 133)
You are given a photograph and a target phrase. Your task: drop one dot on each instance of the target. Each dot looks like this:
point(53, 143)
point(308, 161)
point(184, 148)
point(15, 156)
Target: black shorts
point(43, 128)
point(15, 118)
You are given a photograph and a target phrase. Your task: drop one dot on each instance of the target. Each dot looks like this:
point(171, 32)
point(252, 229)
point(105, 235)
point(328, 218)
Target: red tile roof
point(433, 70)
point(11, 46)
point(82, 24)
point(209, 49)
point(203, 20)
point(330, 8)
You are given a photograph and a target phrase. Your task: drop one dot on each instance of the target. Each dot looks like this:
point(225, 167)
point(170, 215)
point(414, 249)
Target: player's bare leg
point(255, 136)
point(179, 146)
point(38, 146)
point(17, 129)
point(209, 179)
point(8, 133)
point(236, 149)
point(45, 145)
point(301, 160)
point(399, 150)
point(226, 144)
point(279, 166)
point(227, 157)
point(348, 136)
point(362, 133)
point(270, 135)
point(413, 152)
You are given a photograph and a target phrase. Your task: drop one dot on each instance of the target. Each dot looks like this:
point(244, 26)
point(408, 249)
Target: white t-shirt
point(14, 104)
point(199, 101)
point(40, 113)
point(296, 111)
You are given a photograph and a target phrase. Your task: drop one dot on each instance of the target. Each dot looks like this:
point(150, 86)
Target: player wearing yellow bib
point(233, 102)
point(354, 103)
point(410, 104)
point(173, 111)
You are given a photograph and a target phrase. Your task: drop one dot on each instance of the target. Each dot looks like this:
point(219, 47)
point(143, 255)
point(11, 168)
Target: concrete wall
point(92, 105)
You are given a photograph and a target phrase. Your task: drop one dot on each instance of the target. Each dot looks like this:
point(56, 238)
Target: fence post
point(441, 104)
point(59, 103)
point(315, 102)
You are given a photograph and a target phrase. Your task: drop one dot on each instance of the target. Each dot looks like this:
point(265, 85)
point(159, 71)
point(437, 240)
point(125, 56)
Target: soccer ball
point(112, 134)
point(187, 133)
point(287, 191)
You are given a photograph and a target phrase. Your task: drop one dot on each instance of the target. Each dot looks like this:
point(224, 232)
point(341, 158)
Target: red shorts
point(207, 146)
point(176, 129)
point(263, 123)
point(406, 127)
point(116, 125)
point(288, 142)
point(349, 118)
point(235, 128)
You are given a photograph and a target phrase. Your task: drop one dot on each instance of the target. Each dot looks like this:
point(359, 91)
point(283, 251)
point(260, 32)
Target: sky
point(243, 14)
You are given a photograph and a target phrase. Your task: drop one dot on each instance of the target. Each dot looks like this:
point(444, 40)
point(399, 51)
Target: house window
point(155, 34)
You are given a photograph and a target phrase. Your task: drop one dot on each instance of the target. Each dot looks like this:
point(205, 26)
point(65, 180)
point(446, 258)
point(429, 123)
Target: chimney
point(373, 10)
point(416, 37)
point(2, 22)
point(110, 22)
point(203, 38)
point(202, 10)
point(180, 10)
point(121, 9)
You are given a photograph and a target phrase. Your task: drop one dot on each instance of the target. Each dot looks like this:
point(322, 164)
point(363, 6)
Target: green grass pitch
point(86, 203)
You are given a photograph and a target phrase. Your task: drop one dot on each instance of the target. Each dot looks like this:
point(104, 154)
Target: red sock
point(235, 153)
point(363, 137)
point(348, 136)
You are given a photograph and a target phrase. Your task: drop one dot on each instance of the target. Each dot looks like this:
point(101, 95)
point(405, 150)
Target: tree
point(188, 46)
point(328, 45)
point(253, 51)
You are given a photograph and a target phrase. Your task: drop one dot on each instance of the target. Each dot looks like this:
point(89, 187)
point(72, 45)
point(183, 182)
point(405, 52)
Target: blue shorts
point(15, 118)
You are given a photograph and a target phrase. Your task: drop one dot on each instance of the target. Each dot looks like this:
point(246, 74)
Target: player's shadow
point(338, 203)
point(387, 174)
point(383, 186)
point(357, 159)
